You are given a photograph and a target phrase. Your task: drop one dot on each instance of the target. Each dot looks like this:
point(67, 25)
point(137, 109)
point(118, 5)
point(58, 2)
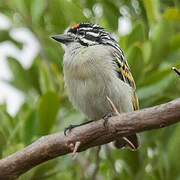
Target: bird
point(94, 68)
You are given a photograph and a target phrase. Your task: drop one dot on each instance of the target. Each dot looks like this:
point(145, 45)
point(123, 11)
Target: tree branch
point(89, 135)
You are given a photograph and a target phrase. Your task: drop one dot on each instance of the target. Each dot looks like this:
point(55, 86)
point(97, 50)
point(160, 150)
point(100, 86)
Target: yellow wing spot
point(124, 70)
point(128, 74)
point(135, 101)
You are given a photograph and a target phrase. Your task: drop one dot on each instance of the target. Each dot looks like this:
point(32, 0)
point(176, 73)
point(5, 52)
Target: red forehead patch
point(75, 26)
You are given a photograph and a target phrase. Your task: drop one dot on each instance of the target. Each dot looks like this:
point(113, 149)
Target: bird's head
point(87, 34)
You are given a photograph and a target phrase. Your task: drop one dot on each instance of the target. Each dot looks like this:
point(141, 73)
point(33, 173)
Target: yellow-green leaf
point(48, 107)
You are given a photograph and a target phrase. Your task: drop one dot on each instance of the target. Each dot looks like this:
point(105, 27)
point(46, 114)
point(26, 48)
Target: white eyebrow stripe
point(94, 34)
point(85, 28)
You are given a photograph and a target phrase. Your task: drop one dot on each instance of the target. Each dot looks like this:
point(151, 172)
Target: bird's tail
point(132, 142)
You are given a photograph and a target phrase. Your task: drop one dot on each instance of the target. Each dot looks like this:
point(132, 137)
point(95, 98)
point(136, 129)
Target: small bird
point(95, 68)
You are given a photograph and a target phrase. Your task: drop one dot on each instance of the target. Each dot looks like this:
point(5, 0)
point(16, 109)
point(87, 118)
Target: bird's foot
point(69, 128)
point(106, 118)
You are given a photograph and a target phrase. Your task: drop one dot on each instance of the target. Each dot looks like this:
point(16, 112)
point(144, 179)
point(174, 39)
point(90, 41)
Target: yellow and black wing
point(124, 73)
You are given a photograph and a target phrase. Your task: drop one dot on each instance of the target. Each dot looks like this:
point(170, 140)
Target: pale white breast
point(90, 77)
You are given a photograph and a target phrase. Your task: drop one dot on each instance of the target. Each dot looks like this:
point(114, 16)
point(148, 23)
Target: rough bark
point(89, 135)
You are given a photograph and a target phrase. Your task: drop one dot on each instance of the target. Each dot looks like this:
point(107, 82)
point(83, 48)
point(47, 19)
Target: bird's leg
point(69, 128)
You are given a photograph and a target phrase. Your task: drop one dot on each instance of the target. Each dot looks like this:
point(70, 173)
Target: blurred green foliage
point(152, 48)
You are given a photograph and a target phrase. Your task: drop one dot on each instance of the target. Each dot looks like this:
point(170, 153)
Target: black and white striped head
point(87, 34)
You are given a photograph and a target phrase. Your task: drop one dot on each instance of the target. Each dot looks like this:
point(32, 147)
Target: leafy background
point(152, 47)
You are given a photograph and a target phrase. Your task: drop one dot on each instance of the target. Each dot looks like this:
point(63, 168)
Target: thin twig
point(114, 109)
point(76, 146)
point(176, 70)
point(130, 143)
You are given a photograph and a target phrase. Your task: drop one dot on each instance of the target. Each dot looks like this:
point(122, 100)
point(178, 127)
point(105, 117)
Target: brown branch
point(89, 135)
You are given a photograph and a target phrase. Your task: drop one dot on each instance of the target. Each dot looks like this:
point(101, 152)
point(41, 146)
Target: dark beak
point(63, 38)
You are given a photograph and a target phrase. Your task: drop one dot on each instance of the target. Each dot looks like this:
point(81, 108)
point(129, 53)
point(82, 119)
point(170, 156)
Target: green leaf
point(158, 31)
point(31, 127)
point(6, 122)
point(37, 8)
point(138, 34)
point(173, 150)
point(20, 5)
point(66, 10)
point(2, 143)
point(33, 74)
point(111, 12)
point(47, 170)
point(156, 77)
point(5, 36)
point(155, 89)
point(48, 107)
point(6, 128)
point(147, 50)
point(175, 42)
point(173, 14)
point(135, 59)
point(12, 148)
point(20, 75)
point(152, 8)
point(45, 78)
point(161, 35)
